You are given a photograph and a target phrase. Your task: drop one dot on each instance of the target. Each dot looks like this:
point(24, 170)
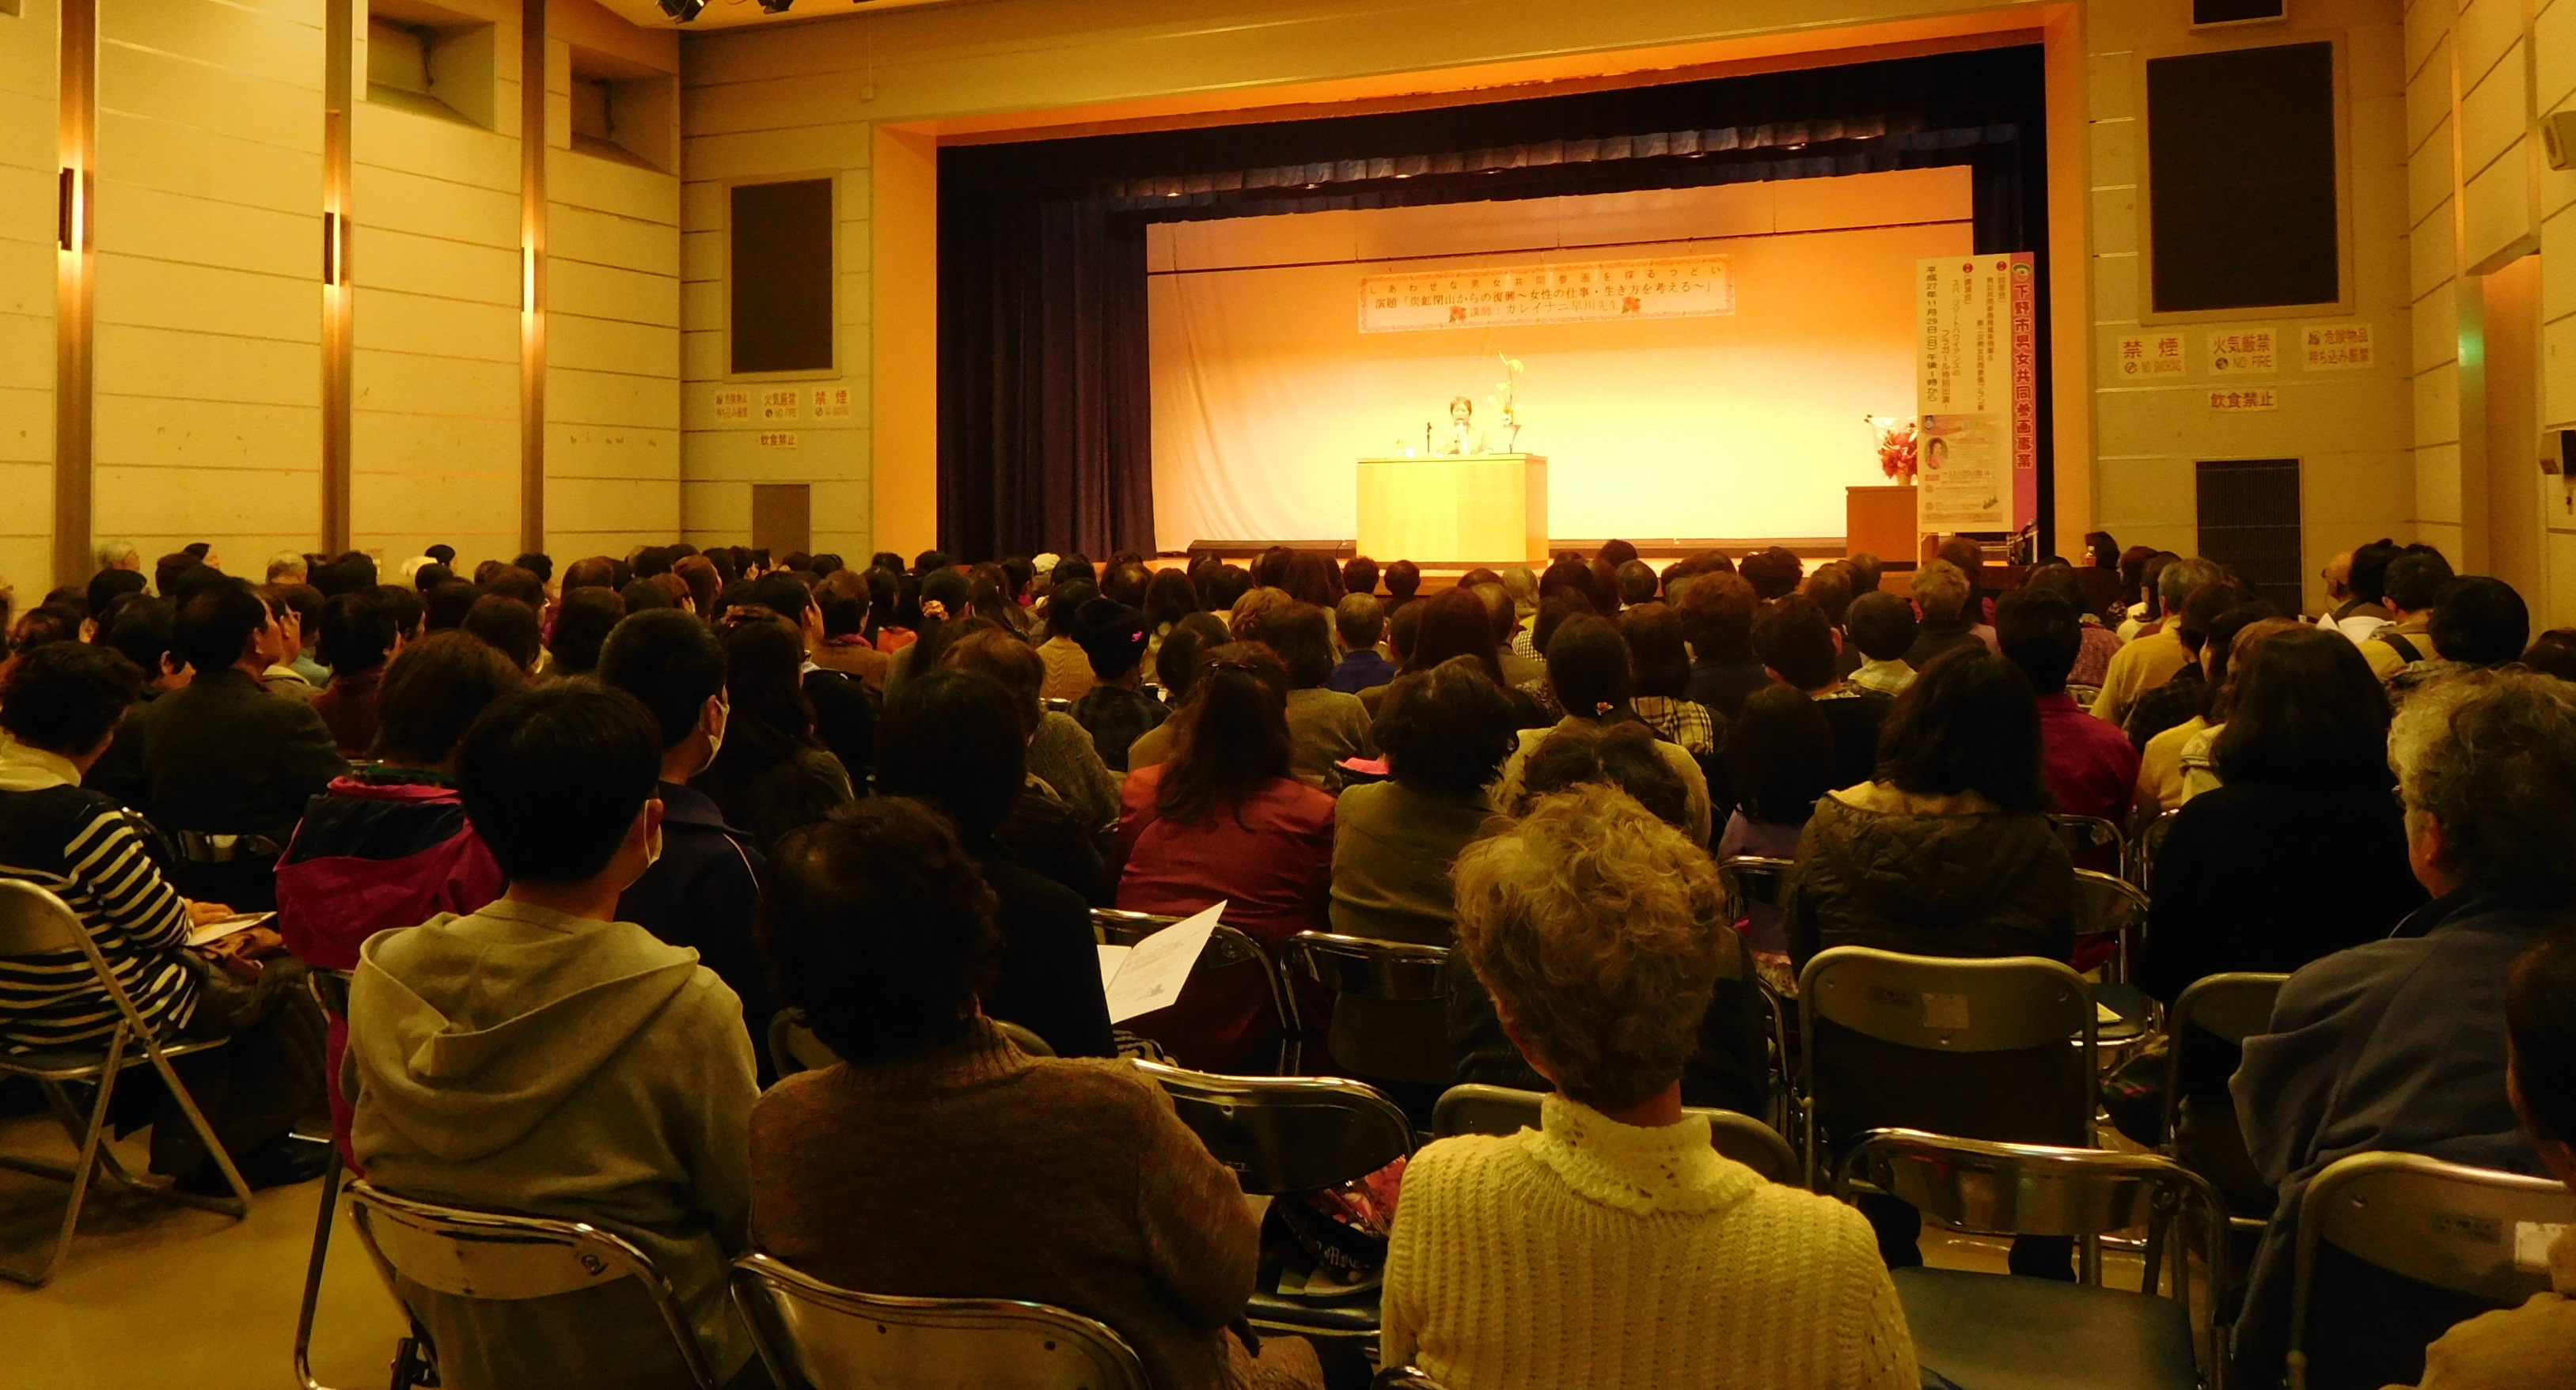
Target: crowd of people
point(579, 836)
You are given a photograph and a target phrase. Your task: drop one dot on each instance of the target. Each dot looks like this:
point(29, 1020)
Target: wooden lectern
point(1455, 509)
point(1881, 521)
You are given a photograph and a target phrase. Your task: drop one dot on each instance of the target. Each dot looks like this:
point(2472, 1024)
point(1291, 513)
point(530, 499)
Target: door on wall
point(782, 518)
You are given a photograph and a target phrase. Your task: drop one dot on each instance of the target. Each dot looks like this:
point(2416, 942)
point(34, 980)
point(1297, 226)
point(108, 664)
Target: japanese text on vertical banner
point(1977, 392)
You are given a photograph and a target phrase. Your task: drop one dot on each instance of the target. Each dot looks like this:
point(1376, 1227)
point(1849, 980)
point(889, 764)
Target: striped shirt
point(84, 847)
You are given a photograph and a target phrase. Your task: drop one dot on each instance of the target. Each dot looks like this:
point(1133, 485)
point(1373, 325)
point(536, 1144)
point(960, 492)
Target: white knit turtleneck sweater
point(1597, 1254)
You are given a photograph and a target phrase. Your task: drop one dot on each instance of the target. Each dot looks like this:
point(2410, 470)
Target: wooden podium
point(1455, 509)
point(1881, 521)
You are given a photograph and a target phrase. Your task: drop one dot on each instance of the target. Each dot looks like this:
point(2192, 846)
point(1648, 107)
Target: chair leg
point(313, 1273)
point(236, 1206)
point(81, 1169)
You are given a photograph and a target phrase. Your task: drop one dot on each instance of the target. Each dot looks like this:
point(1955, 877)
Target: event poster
point(1977, 393)
point(1664, 287)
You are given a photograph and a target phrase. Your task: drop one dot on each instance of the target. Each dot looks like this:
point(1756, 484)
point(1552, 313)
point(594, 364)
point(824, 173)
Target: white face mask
point(653, 851)
point(715, 736)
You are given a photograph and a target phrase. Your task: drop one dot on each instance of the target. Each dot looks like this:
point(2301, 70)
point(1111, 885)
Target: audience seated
point(1068, 666)
point(1061, 758)
point(582, 622)
point(2186, 692)
point(1613, 1247)
point(1325, 726)
point(1780, 761)
point(2532, 1347)
point(2400, 1044)
point(510, 626)
point(1359, 622)
point(2149, 659)
point(1797, 647)
point(2199, 755)
point(224, 768)
point(2089, 766)
point(1661, 681)
point(1587, 668)
point(770, 774)
point(2478, 621)
point(1117, 712)
point(955, 742)
point(1226, 821)
point(987, 1173)
point(1717, 618)
point(2099, 643)
point(2416, 578)
point(358, 636)
point(1176, 664)
point(59, 706)
point(1882, 627)
point(539, 1056)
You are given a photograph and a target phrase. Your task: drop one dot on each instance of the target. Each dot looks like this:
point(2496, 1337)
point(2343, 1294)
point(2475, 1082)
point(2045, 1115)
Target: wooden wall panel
point(27, 165)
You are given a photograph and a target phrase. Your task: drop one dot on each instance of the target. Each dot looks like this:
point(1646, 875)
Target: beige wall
point(27, 164)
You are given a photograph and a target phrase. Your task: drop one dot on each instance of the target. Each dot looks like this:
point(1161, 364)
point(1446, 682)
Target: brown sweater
point(979, 1172)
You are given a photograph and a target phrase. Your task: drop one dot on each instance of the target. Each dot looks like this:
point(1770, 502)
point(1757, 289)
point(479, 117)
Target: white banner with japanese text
point(1977, 393)
point(1670, 287)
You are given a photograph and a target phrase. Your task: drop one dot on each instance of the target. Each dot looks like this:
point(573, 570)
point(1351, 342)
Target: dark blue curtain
point(1045, 424)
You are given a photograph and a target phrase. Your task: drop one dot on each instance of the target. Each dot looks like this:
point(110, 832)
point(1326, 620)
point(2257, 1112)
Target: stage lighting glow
point(683, 10)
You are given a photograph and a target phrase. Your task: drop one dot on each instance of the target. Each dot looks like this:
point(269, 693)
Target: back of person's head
point(2176, 581)
point(2540, 1025)
point(1359, 620)
point(215, 625)
point(931, 561)
point(1792, 637)
point(1772, 572)
point(2416, 580)
point(107, 586)
point(1659, 663)
point(783, 594)
point(644, 595)
point(595, 572)
point(142, 631)
point(2201, 608)
point(1169, 597)
point(669, 661)
point(1446, 730)
point(1587, 667)
point(510, 581)
point(442, 553)
point(1621, 755)
point(404, 604)
point(1113, 637)
point(1010, 662)
point(1637, 582)
point(1403, 579)
point(288, 567)
point(555, 780)
point(1498, 603)
point(357, 631)
point(169, 570)
point(1302, 635)
point(2039, 632)
point(448, 604)
point(509, 625)
point(1359, 576)
point(1073, 567)
point(2305, 710)
point(843, 599)
point(44, 625)
point(1312, 578)
point(537, 563)
point(1226, 585)
point(1598, 931)
point(1881, 625)
point(699, 573)
point(1176, 662)
point(1941, 591)
point(2369, 578)
point(1231, 735)
point(1717, 616)
point(2553, 653)
point(1454, 622)
point(764, 663)
point(2479, 621)
point(1615, 553)
point(1270, 567)
point(879, 926)
point(1779, 756)
point(2490, 757)
point(434, 691)
point(583, 621)
point(1553, 611)
point(956, 739)
point(1831, 587)
point(430, 576)
point(1968, 723)
point(1251, 614)
point(66, 697)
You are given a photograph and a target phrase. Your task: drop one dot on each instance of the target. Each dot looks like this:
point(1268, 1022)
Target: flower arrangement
point(1894, 436)
point(1506, 402)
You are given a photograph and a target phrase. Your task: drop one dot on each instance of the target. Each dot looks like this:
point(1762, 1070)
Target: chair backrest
point(1975, 1047)
point(2108, 905)
point(1401, 971)
point(329, 988)
point(2017, 1189)
point(794, 1048)
point(2084, 834)
point(2472, 1231)
point(1752, 880)
point(1475, 1108)
point(1403, 1378)
point(2151, 842)
point(2233, 1007)
point(1227, 949)
point(1288, 1133)
point(34, 921)
point(497, 1256)
point(814, 1336)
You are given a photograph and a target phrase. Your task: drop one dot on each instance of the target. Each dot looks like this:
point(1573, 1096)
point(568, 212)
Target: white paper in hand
point(1147, 976)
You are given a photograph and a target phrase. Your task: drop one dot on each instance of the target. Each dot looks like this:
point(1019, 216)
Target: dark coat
point(703, 893)
point(1980, 884)
point(224, 756)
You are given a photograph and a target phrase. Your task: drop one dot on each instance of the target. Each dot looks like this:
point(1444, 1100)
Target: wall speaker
point(2220, 14)
point(2558, 137)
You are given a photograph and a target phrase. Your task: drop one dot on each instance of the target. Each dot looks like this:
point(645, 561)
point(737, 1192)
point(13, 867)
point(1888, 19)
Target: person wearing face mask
point(388, 846)
point(703, 886)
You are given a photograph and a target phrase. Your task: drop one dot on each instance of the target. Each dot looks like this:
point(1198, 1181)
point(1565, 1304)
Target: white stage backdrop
point(1744, 425)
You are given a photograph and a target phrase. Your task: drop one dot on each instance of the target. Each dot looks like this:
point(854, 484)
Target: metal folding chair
point(794, 1048)
point(2471, 1232)
point(2003, 1329)
point(34, 922)
point(2231, 1007)
point(2109, 906)
point(1975, 1047)
point(2084, 834)
point(2149, 844)
point(1474, 1108)
point(1397, 974)
point(330, 991)
point(814, 1336)
point(1285, 1134)
point(490, 1255)
point(1227, 949)
point(1403, 1378)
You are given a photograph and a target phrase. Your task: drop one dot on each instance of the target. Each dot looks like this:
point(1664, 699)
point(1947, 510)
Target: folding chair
point(2109, 906)
point(2083, 835)
point(1474, 1108)
point(1227, 949)
point(2150, 843)
point(1403, 1378)
point(488, 1255)
point(2232, 1008)
point(1976, 1047)
point(813, 1336)
point(1285, 1134)
point(2004, 1329)
point(2480, 1236)
point(34, 922)
point(1398, 1033)
point(330, 991)
point(794, 1048)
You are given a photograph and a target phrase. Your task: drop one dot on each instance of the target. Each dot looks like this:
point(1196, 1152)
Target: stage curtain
point(1044, 355)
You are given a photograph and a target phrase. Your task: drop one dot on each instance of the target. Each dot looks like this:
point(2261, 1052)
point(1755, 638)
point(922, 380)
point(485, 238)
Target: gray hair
point(2491, 755)
point(2180, 578)
point(112, 554)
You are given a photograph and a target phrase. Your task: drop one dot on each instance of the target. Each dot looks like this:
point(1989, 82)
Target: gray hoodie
point(524, 1060)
